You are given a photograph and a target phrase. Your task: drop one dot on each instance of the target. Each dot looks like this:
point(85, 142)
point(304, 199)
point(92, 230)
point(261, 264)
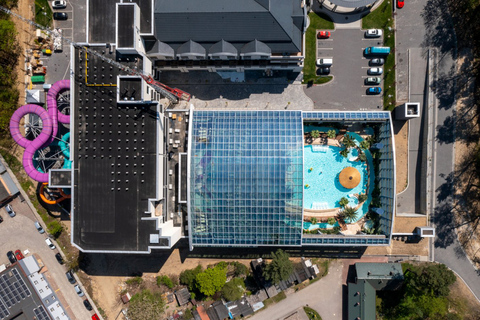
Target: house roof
point(161, 48)
point(361, 301)
point(239, 308)
point(256, 47)
point(385, 271)
point(200, 313)
point(191, 48)
point(352, 3)
point(278, 23)
point(183, 296)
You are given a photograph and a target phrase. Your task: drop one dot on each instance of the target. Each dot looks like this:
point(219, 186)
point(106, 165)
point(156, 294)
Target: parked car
point(373, 33)
point(39, 227)
point(374, 90)
point(1, 219)
point(10, 211)
point(87, 305)
point(400, 4)
point(50, 243)
point(323, 34)
point(95, 317)
point(19, 255)
point(375, 71)
point(70, 277)
point(323, 70)
point(60, 16)
point(59, 258)
point(377, 61)
point(11, 257)
point(78, 290)
point(59, 4)
point(373, 80)
point(325, 62)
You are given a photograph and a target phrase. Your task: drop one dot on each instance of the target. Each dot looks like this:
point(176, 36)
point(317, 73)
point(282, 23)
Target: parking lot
point(347, 89)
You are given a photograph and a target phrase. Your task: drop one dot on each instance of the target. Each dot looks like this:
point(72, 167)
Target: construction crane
point(172, 94)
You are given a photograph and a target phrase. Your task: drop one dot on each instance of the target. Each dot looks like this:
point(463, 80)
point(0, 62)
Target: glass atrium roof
point(246, 178)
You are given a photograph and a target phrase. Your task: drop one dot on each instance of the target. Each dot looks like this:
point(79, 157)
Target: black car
point(70, 277)
point(11, 257)
point(59, 258)
point(87, 305)
point(1, 219)
point(323, 70)
point(60, 16)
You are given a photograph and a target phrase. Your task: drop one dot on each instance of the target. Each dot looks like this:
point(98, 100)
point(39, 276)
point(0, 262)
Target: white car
point(375, 71)
point(373, 33)
point(50, 243)
point(79, 291)
point(59, 4)
point(10, 211)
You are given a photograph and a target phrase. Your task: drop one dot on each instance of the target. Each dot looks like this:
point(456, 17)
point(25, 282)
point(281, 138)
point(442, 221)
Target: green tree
point(188, 277)
point(234, 289)
point(331, 134)
point(362, 197)
point(364, 145)
point(362, 157)
point(313, 220)
point(280, 268)
point(343, 202)
point(348, 141)
point(436, 279)
point(240, 269)
point(146, 305)
point(315, 134)
point(331, 220)
point(349, 213)
point(55, 228)
point(165, 280)
point(211, 280)
point(344, 152)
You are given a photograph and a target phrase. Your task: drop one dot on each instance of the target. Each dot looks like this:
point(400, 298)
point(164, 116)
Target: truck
point(377, 51)
point(57, 40)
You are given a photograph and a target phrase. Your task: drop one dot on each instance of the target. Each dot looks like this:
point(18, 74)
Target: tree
point(240, 269)
point(188, 277)
point(146, 305)
point(313, 220)
point(166, 281)
point(331, 134)
point(362, 197)
point(280, 268)
point(364, 145)
point(55, 228)
point(349, 213)
point(331, 220)
point(343, 202)
point(348, 141)
point(436, 279)
point(211, 280)
point(362, 157)
point(315, 134)
point(234, 289)
point(344, 152)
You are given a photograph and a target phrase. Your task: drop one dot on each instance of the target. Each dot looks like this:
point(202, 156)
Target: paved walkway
point(325, 296)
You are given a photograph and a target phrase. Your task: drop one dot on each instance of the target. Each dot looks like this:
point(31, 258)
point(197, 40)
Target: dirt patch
point(408, 224)
point(464, 299)
point(401, 154)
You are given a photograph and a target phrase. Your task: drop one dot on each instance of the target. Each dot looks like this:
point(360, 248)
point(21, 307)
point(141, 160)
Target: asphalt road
point(325, 296)
point(347, 90)
point(19, 232)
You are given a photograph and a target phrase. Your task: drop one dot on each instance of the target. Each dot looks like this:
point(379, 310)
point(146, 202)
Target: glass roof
point(246, 178)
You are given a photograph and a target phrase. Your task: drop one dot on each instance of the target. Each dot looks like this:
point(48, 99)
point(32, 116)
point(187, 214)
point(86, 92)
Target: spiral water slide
point(50, 121)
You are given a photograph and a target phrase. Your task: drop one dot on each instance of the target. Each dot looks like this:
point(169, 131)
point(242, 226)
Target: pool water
point(321, 171)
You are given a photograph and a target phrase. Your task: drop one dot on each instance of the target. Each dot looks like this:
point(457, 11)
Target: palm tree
point(315, 134)
point(349, 213)
point(313, 220)
point(364, 145)
point(348, 141)
point(343, 202)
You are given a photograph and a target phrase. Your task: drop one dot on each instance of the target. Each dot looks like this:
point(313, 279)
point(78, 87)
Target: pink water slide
point(50, 121)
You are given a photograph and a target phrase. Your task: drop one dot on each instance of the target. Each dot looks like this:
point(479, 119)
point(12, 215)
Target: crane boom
point(172, 94)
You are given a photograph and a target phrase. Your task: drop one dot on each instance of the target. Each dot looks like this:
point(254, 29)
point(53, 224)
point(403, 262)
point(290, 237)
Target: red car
point(400, 3)
point(95, 317)
point(324, 34)
point(19, 255)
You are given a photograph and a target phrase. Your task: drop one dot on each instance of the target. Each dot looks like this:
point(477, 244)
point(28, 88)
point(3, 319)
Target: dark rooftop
point(62, 177)
point(183, 296)
point(126, 26)
point(114, 159)
point(101, 21)
point(145, 15)
point(131, 89)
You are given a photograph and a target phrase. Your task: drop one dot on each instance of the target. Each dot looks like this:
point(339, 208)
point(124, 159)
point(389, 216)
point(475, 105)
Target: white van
point(50, 243)
point(325, 62)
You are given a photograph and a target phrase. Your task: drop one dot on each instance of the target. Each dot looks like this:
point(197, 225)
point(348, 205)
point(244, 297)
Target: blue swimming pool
point(322, 166)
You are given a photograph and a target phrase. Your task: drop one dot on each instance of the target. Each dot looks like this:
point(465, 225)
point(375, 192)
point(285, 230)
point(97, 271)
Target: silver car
point(375, 71)
point(10, 211)
point(373, 33)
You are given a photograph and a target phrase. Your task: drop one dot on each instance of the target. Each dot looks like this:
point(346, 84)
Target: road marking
point(57, 290)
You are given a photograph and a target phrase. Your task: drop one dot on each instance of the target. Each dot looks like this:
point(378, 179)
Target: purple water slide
point(49, 119)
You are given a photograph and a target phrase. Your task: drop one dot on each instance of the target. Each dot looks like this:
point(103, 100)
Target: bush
point(166, 281)
point(240, 269)
point(146, 305)
point(55, 228)
point(134, 281)
point(234, 289)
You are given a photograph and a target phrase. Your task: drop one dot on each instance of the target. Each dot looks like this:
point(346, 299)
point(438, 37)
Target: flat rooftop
point(101, 21)
point(114, 154)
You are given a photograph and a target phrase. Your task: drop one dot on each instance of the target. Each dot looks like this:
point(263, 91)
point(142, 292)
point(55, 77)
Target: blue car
point(374, 90)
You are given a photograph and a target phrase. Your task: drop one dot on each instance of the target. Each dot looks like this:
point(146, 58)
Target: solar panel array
point(40, 313)
point(358, 115)
point(12, 291)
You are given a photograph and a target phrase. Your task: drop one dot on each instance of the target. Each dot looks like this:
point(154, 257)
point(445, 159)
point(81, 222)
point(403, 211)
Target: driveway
point(325, 296)
point(20, 233)
point(347, 90)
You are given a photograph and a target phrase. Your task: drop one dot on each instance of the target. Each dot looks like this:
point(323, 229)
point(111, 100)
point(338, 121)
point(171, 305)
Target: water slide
point(53, 200)
point(50, 121)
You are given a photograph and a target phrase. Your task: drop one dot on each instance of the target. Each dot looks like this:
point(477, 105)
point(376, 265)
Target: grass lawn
point(316, 22)
point(43, 13)
point(382, 18)
point(312, 314)
point(279, 297)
